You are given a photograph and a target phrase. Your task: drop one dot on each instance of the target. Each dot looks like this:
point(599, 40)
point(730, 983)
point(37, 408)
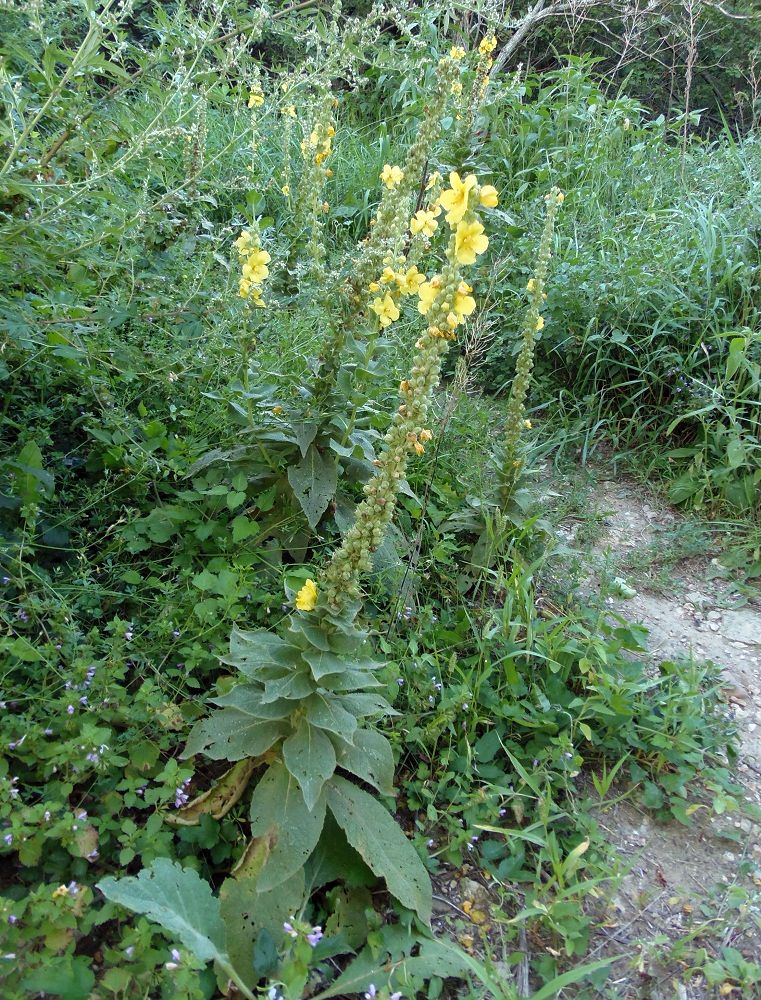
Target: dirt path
point(678, 876)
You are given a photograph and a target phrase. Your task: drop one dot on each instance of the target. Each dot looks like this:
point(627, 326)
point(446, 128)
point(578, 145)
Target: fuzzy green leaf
point(363, 705)
point(326, 712)
point(295, 684)
point(371, 829)
point(232, 735)
point(248, 698)
point(370, 757)
point(179, 900)
point(311, 759)
point(252, 651)
point(323, 662)
point(279, 814)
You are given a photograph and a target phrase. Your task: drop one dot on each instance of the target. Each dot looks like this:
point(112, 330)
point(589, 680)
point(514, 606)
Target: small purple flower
point(129, 951)
point(12, 919)
point(474, 838)
point(48, 732)
point(503, 812)
point(395, 996)
point(290, 930)
point(8, 838)
point(176, 633)
point(371, 992)
point(431, 843)
point(6, 579)
point(73, 888)
point(465, 707)
point(129, 634)
point(431, 699)
point(22, 615)
point(83, 701)
point(535, 762)
point(176, 956)
point(46, 815)
point(70, 709)
point(400, 681)
point(315, 936)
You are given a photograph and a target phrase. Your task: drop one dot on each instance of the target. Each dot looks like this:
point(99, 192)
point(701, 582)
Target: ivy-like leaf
point(232, 735)
point(326, 712)
point(311, 759)
point(369, 757)
point(179, 900)
point(279, 813)
point(371, 829)
point(313, 482)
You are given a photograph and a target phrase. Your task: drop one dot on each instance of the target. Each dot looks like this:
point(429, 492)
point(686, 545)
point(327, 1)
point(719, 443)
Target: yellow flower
point(290, 110)
point(418, 448)
point(243, 241)
point(560, 197)
point(464, 303)
point(389, 275)
point(531, 286)
point(404, 386)
point(470, 242)
point(306, 599)
point(433, 179)
point(455, 199)
point(276, 411)
point(456, 87)
point(60, 891)
point(373, 286)
point(539, 323)
point(255, 268)
point(258, 300)
point(488, 196)
point(385, 309)
point(330, 132)
point(428, 292)
point(285, 189)
point(425, 435)
point(527, 424)
point(410, 282)
point(423, 222)
point(256, 99)
point(488, 44)
point(314, 137)
point(244, 287)
point(457, 52)
point(391, 176)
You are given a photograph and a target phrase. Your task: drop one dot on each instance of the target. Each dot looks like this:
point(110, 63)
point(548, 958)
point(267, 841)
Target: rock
point(698, 600)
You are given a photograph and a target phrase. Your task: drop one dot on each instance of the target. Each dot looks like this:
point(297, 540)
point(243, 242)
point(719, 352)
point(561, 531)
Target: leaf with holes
point(373, 832)
point(326, 712)
point(279, 814)
point(370, 758)
point(232, 735)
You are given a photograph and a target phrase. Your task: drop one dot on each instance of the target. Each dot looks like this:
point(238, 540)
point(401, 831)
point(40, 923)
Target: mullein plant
point(300, 713)
point(510, 458)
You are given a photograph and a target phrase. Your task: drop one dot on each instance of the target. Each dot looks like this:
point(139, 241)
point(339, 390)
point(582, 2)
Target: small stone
point(728, 856)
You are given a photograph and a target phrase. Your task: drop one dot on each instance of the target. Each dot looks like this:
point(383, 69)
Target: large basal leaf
point(326, 712)
point(179, 900)
point(311, 759)
point(363, 705)
point(295, 685)
point(279, 814)
point(313, 482)
point(371, 829)
point(246, 912)
point(232, 735)
point(350, 680)
point(369, 757)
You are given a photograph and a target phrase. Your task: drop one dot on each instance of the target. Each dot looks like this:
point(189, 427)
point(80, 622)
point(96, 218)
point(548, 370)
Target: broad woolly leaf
point(251, 651)
point(350, 680)
point(313, 482)
point(370, 757)
point(248, 698)
point(323, 662)
point(296, 684)
point(179, 900)
point(232, 735)
point(279, 813)
point(315, 636)
point(362, 705)
point(326, 712)
point(246, 912)
point(371, 829)
point(311, 759)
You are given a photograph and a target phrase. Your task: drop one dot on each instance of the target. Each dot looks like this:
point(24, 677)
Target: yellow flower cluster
point(392, 176)
point(256, 97)
point(319, 144)
point(254, 268)
point(445, 301)
point(306, 599)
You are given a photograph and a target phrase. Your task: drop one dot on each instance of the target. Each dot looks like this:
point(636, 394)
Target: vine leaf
point(374, 833)
point(279, 814)
point(311, 759)
point(313, 482)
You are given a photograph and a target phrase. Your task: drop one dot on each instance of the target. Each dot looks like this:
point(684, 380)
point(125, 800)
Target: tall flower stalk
point(511, 459)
